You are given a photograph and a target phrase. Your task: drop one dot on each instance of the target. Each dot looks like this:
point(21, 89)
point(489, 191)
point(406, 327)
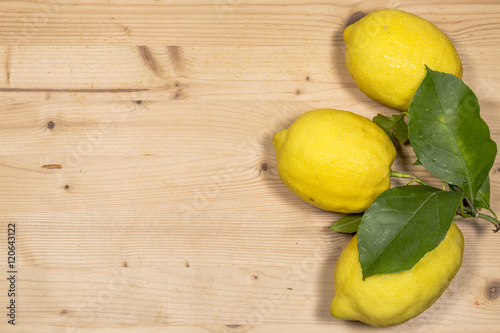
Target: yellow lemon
point(336, 160)
point(391, 299)
point(386, 53)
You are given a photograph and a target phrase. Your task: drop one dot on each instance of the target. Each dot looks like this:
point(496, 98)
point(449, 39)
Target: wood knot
point(264, 166)
point(233, 327)
point(176, 58)
point(178, 91)
point(493, 290)
point(149, 59)
point(52, 166)
point(51, 124)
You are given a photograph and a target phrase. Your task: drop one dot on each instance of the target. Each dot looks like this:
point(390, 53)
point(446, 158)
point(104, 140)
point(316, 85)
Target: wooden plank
point(136, 162)
point(235, 72)
point(218, 22)
point(74, 154)
point(242, 271)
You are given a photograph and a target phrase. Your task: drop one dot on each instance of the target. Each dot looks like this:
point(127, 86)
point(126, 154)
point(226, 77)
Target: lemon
point(386, 53)
point(391, 299)
point(335, 160)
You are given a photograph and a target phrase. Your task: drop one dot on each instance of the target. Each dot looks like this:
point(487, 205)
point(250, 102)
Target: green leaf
point(447, 133)
point(347, 224)
point(483, 195)
point(417, 162)
point(394, 126)
point(401, 130)
point(402, 225)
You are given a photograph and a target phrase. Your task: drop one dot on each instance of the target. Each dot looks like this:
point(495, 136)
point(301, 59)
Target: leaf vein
point(432, 195)
point(466, 169)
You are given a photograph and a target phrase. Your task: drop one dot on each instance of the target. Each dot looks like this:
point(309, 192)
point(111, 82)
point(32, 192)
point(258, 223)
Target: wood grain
point(136, 162)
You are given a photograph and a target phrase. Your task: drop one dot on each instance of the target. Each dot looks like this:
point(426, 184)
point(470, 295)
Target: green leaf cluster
point(452, 142)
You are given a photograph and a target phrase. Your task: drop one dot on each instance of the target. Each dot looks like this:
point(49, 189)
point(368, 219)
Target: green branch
point(410, 176)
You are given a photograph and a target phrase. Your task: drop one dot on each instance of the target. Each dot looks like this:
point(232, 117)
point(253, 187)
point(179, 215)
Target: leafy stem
point(466, 208)
point(410, 176)
point(491, 219)
point(471, 206)
point(451, 141)
point(475, 213)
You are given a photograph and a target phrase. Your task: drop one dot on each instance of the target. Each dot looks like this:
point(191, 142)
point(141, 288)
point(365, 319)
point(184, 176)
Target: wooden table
point(137, 166)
